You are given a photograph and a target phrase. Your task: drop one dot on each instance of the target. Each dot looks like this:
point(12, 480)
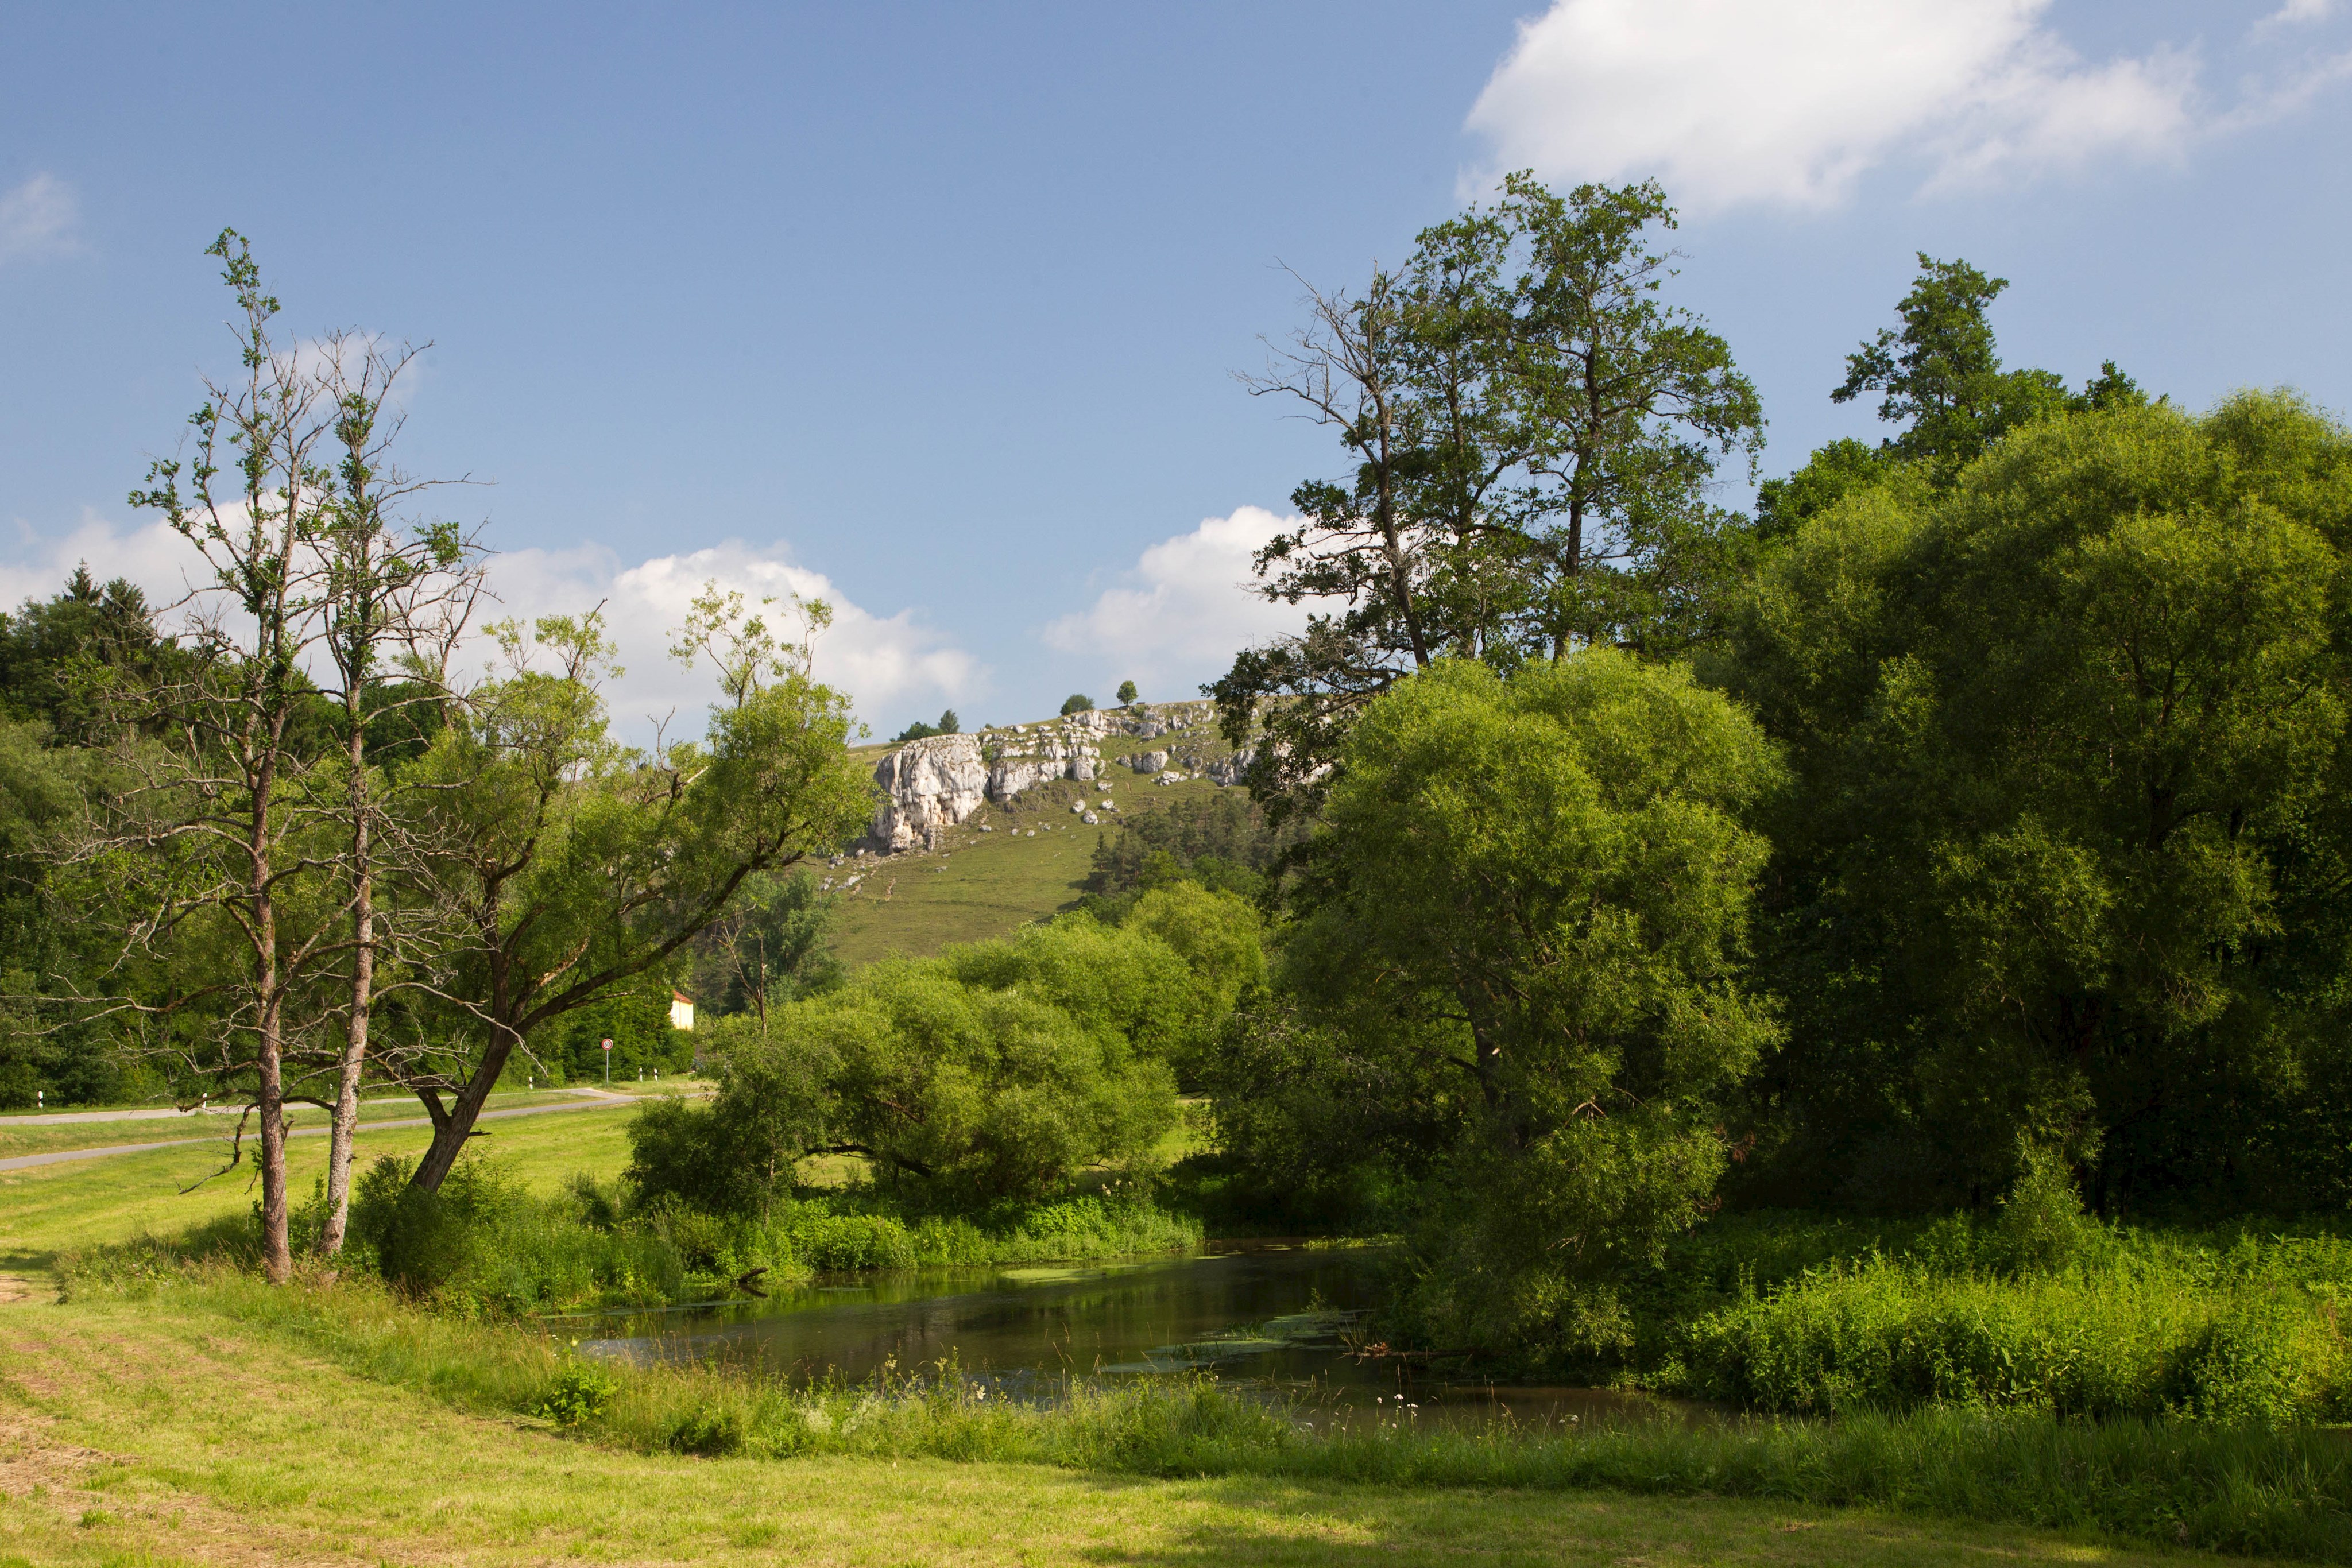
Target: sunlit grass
point(316, 1424)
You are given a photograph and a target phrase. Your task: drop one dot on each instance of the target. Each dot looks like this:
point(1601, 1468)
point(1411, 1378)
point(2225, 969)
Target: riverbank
point(223, 1421)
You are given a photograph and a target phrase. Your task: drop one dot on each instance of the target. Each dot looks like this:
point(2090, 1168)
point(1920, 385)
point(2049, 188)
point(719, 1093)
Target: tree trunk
point(270, 1002)
point(355, 1036)
point(454, 1126)
point(277, 1258)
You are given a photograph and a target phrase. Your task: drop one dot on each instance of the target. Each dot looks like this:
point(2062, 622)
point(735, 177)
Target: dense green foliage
point(995, 1071)
point(775, 944)
point(1528, 901)
point(2033, 1308)
point(1223, 842)
point(2062, 866)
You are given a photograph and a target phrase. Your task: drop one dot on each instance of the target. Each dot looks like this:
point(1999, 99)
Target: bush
point(484, 1246)
point(581, 1392)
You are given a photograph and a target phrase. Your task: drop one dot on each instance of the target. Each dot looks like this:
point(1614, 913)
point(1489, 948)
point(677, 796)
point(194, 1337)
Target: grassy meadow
point(85, 1203)
point(228, 1423)
point(20, 1136)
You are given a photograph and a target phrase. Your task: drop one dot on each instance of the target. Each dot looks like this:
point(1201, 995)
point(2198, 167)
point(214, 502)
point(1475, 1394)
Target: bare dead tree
point(208, 827)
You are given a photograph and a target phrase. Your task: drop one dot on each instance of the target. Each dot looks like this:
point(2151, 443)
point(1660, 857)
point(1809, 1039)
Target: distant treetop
point(1076, 701)
point(949, 724)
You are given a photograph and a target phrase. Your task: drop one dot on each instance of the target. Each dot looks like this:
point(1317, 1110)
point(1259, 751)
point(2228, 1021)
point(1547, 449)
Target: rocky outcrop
point(927, 786)
point(1230, 769)
point(1024, 761)
point(931, 784)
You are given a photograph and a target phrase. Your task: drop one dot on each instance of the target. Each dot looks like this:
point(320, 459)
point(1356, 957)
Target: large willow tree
point(1531, 896)
point(2070, 865)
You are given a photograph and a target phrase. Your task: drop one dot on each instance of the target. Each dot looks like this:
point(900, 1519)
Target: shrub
point(581, 1392)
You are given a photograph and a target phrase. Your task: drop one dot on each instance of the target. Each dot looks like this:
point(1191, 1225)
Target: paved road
point(160, 1114)
point(599, 1100)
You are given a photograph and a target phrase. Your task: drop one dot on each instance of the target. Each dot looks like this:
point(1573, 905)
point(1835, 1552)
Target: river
point(1283, 1320)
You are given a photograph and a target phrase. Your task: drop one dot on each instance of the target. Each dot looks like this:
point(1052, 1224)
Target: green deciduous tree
point(1531, 430)
point(1940, 375)
point(2064, 868)
point(994, 1070)
point(1532, 895)
point(566, 867)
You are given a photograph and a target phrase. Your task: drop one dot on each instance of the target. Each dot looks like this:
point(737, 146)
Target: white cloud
point(2295, 11)
point(38, 218)
point(1182, 612)
point(151, 555)
point(1730, 101)
point(887, 664)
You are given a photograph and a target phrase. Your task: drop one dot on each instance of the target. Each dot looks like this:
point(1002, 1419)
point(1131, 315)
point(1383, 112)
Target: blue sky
point(934, 309)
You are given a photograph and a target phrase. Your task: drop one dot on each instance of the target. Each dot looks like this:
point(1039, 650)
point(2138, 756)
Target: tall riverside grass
point(484, 1247)
point(2219, 1486)
point(2101, 1342)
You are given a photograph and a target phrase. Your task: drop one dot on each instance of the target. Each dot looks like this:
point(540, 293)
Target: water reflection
point(1275, 1318)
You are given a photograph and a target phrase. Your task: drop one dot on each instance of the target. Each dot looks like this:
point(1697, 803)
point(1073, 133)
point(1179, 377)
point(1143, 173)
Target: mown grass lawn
point(130, 1436)
point(88, 1203)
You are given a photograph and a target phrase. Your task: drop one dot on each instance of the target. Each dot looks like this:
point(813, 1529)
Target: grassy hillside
point(1029, 865)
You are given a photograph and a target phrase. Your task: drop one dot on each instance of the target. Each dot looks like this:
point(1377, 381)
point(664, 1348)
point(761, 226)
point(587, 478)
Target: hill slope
point(1028, 864)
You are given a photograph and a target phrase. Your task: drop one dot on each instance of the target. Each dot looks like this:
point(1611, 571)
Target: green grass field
point(17, 1137)
point(133, 1436)
point(86, 1203)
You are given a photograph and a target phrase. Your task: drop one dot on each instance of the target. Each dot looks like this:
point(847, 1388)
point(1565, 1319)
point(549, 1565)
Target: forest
point(1879, 951)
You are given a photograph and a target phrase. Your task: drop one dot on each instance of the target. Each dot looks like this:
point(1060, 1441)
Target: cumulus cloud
point(38, 218)
point(158, 560)
point(1728, 101)
point(888, 663)
point(1176, 617)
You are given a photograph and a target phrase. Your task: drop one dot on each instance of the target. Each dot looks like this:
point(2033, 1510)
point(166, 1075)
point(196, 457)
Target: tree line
point(1972, 807)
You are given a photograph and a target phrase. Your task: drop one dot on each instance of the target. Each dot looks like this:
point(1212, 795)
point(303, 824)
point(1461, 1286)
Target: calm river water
point(1270, 1318)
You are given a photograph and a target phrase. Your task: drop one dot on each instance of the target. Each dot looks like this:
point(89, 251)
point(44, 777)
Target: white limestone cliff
point(927, 786)
point(930, 785)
